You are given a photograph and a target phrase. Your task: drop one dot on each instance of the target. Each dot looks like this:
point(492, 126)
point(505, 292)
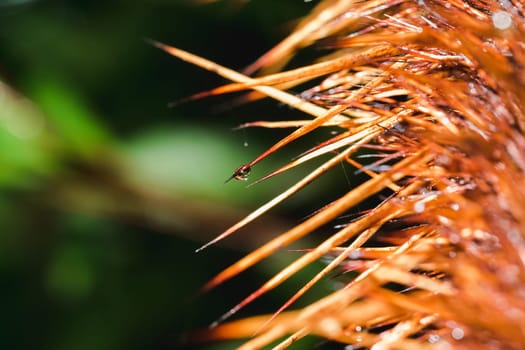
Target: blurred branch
point(103, 193)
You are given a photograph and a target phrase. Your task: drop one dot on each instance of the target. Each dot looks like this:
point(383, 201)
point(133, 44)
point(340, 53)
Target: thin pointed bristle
point(433, 92)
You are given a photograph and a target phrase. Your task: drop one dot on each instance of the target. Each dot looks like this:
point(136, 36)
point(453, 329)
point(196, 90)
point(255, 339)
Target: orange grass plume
point(437, 88)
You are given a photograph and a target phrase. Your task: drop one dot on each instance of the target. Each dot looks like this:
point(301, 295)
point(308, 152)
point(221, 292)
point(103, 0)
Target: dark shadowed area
point(105, 192)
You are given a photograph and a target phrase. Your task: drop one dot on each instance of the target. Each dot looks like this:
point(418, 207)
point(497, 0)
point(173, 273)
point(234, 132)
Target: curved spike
point(283, 124)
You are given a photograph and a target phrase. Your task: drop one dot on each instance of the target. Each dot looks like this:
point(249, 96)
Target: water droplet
point(433, 338)
point(244, 138)
point(458, 333)
point(501, 20)
point(241, 173)
point(355, 254)
point(419, 207)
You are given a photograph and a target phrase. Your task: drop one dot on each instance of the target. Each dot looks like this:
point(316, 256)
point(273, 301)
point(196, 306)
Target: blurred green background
point(106, 192)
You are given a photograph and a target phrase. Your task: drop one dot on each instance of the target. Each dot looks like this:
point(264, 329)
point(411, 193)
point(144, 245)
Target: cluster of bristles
point(438, 89)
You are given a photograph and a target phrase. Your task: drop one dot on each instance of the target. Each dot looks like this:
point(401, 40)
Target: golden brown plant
point(437, 88)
